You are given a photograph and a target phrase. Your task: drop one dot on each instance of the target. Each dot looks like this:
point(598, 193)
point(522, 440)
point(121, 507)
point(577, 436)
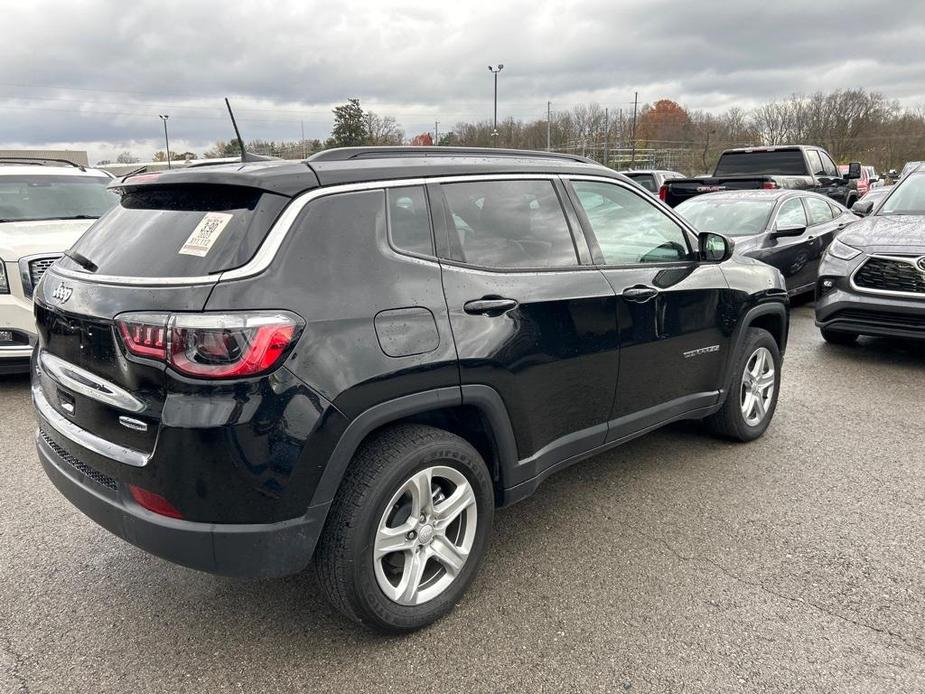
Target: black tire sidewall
point(375, 608)
point(756, 338)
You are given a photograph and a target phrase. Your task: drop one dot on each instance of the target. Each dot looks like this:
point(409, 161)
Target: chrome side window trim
point(88, 384)
point(281, 227)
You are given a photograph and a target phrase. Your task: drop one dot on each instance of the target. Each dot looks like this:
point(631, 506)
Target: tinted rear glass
point(777, 163)
point(179, 231)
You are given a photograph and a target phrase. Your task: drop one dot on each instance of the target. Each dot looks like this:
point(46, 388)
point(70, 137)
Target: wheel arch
point(473, 412)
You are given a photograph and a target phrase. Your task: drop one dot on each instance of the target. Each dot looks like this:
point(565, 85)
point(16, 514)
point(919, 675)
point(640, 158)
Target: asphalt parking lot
point(675, 563)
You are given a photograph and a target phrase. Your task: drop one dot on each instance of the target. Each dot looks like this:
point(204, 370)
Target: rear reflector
point(769, 185)
point(154, 502)
point(211, 345)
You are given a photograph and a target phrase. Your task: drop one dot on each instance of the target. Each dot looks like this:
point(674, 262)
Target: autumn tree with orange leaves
point(663, 121)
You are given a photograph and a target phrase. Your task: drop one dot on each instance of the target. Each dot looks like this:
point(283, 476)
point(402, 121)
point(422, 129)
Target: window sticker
point(205, 234)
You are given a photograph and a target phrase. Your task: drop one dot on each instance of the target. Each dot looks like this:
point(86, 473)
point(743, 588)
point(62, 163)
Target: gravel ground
point(675, 563)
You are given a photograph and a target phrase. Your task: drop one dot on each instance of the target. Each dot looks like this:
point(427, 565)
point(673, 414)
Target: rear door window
point(791, 214)
point(179, 231)
point(819, 210)
point(508, 224)
point(815, 163)
point(409, 220)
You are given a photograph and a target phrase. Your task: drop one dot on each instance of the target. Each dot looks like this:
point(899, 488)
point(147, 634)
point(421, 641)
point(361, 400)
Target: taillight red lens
point(145, 334)
point(663, 193)
point(212, 345)
point(769, 185)
point(154, 502)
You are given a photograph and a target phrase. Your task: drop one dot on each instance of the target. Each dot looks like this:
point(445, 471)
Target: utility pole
point(635, 105)
point(548, 121)
point(436, 133)
point(494, 130)
point(606, 137)
point(302, 123)
point(164, 118)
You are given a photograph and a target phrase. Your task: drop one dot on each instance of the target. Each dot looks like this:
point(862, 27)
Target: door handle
point(489, 307)
point(640, 293)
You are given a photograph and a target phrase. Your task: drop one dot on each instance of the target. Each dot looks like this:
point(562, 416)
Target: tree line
point(852, 124)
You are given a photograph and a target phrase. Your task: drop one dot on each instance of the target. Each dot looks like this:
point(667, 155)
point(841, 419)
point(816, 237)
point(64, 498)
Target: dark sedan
point(788, 229)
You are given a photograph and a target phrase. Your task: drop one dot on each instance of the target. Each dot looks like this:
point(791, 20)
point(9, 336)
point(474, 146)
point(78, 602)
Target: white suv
point(43, 210)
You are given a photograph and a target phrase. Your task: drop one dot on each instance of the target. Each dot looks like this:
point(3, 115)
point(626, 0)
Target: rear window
point(787, 162)
point(647, 181)
point(179, 231)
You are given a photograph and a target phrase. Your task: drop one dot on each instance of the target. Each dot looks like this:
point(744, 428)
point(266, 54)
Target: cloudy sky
point(94, 74)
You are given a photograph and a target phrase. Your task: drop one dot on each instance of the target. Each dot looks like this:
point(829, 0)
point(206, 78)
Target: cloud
point(95, 74)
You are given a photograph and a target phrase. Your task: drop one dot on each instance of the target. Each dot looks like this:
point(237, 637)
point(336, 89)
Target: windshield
point(31, 198)
point(787, 162)
point(908, 197)
point(727, 216)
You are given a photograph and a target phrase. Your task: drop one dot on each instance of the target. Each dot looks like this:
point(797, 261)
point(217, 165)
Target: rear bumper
point(243, 550)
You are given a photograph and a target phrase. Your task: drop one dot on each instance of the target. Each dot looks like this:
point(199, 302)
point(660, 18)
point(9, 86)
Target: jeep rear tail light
point(211, 345)
point(663, 193)
point(144, 334)
point(769, 185)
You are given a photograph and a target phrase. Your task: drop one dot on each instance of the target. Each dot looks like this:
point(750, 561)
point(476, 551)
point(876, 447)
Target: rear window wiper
point(81, 216)
point(82, 260)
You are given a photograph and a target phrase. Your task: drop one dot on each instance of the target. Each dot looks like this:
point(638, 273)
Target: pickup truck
point(784, 166)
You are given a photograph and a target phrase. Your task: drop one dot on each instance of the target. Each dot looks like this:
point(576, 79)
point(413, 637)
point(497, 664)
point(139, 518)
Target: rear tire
point(390, 556)
point(754, 384)
point(837, 337)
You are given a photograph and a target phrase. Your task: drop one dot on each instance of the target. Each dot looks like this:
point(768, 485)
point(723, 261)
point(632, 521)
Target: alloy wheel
point(757, 391)
point(425, 535)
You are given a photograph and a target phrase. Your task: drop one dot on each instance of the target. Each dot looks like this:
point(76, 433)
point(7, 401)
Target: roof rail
point(348, 153)
point(41, 160)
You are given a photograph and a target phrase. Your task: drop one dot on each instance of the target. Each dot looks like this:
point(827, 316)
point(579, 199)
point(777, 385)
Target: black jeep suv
point(355, 359)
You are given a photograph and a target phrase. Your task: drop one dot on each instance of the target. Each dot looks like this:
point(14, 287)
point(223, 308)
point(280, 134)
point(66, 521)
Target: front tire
point(407, 530)
point(753, 389)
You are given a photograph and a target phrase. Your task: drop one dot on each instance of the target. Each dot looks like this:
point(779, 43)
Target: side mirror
point(854, 170)
point(862, 207)
point(714, 248)
point(789, 230)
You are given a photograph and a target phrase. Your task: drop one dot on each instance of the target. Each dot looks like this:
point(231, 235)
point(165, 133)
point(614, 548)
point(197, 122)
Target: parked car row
point(868, 274)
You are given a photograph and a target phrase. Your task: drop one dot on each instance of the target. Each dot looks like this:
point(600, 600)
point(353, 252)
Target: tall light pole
point(164, 118)
point(495, 71)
